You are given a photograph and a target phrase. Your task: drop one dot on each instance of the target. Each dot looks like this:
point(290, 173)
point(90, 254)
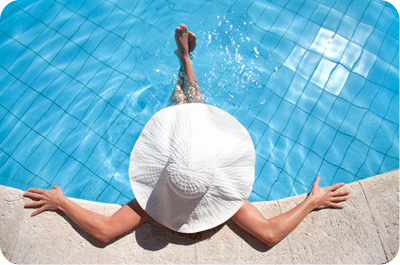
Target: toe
point(183, 27)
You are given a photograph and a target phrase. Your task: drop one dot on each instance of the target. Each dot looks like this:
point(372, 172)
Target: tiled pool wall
point(314, 82)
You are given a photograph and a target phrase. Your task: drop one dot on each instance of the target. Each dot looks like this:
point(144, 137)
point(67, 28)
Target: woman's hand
point(324, 197)
point(45, 200)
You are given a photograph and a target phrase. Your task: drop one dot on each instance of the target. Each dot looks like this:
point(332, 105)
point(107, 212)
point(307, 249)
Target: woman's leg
point(187, 89)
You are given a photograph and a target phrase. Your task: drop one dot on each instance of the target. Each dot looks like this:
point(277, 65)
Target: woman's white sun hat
point(192, 167)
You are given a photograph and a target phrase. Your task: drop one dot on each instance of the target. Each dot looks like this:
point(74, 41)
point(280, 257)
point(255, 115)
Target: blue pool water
point(316, 83)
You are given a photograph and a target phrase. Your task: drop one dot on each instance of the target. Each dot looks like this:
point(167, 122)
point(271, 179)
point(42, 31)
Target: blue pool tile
point(309, 131)
point(337, 80)
point(366, 95)
point(256, 9)
point(374, 42)
point(394, 149)
point(262, 186)
point(319, 14)
point(14, 137)
point(372, 164)
point(356, 8)
point(296, 89)
point(368, 127)
point(11, 95)
point(66, 173)
point(353, 87)
point(268, 16)
point(76, 62)
point(324, 140)
point(309, 64)
point(99, 154)
point(309, 168)
point(7, 124)
point(347, 26)
point(352, 121)
point(68, 94)
point(64, 126)
point(3, 158)
point(386, 18)
point(387, 52)
point(343, 176)
point(296, 121)
point(66, 29)
point(8, 170)
point(280, 151)
point(355, 157)
point(107, 115)
point(296, 28)
point(283, 50)
point(81, 103)
point(23, 179)
point(381, 101)
point(364, 64)
point(267, 143)
point(351, 55)
point(394, 30)
point(392, 78)
point(338, 148)
point(372, 13)
point(384, 135)
point(322, 72)
point(93, 188)
point(52, 167)
point(281, 116)
point(118, 127)
point(295, 5)
point(325, 103)
point(282, 22)
point(27, 146)
point(74, 138)
point(327, 173)
point(378, 71)
point(333, 20)
point(256, 130)
point(307, 9)
point(338, 113)
point(127, 140)
point(341, 6)
point(86, 146)
point(393, 112)
point(109, 195)
point(36, 111)
point(37, 182)
point(282, 187)
point(46, 123)
point(389, 164)
point(259, 165)
point(309, 97)
point(40, 157)
point(295, 159)
point(45, 79)
point(78, 183)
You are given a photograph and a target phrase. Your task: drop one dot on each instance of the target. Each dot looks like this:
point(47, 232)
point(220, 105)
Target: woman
point(179, 184)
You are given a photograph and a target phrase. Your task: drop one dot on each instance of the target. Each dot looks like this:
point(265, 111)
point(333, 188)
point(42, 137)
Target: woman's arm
point(273, 230)
point(99, 226)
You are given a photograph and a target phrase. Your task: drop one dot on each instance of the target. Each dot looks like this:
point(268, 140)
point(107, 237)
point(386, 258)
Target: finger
point(33, 204)
point(336, 186)
point(340, 199)
point(316, 182)
point(38, 211)
point(32, 195)
point(340, 193)
point(337, 206)
point(40, 191)
point(56, 187)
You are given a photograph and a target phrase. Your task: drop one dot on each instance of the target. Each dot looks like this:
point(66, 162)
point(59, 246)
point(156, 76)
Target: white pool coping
point(366, 231)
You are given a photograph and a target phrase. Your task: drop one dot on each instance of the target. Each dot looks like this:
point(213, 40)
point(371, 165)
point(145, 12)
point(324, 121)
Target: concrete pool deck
point(366, 231)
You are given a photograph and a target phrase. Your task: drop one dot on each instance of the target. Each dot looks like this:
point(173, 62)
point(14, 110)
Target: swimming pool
point(316, 83)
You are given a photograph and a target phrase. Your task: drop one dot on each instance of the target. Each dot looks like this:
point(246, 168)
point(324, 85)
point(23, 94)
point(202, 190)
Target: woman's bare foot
point(182, 40)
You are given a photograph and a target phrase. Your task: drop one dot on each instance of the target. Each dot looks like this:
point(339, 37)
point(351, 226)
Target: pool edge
point(365, 231)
